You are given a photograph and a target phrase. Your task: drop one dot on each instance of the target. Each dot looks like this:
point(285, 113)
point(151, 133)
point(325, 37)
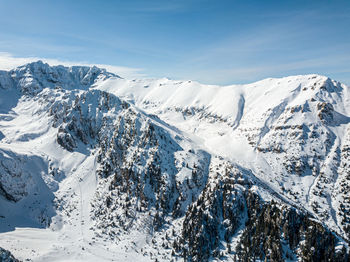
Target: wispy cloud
point(331, 66)
point(261, 39)
point(172, 7)
point(8, 61)
point(161, 6)
point(272, 50)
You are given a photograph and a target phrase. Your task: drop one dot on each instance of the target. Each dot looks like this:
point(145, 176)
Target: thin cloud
point(247, 74)
point(160, 9)
point(164, 6)
point(8, 62)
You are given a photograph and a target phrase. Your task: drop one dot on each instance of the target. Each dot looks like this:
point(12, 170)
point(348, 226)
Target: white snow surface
point(243, 124)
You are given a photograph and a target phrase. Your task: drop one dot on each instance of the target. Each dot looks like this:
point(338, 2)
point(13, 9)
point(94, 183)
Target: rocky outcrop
point(32, 78)
point(6, 256)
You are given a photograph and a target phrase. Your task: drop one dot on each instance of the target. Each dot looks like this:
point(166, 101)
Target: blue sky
point(211, 41)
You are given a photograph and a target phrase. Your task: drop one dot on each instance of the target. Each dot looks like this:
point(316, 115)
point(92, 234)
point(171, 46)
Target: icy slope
point(96, 167)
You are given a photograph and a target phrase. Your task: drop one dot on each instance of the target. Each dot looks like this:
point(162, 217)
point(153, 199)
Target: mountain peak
point(41, 67)
point(31, 78)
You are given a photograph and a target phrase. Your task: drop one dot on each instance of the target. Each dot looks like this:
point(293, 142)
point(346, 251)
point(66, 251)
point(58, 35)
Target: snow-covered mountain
point(94, 167)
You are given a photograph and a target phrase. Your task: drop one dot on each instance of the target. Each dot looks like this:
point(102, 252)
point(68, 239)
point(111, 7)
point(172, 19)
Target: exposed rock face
point(6, 256)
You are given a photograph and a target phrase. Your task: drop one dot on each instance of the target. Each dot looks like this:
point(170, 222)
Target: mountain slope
point(100, 167)
point(299, 121)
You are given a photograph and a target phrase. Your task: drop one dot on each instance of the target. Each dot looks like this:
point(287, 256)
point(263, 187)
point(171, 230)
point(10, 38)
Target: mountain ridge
point(102, 156)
